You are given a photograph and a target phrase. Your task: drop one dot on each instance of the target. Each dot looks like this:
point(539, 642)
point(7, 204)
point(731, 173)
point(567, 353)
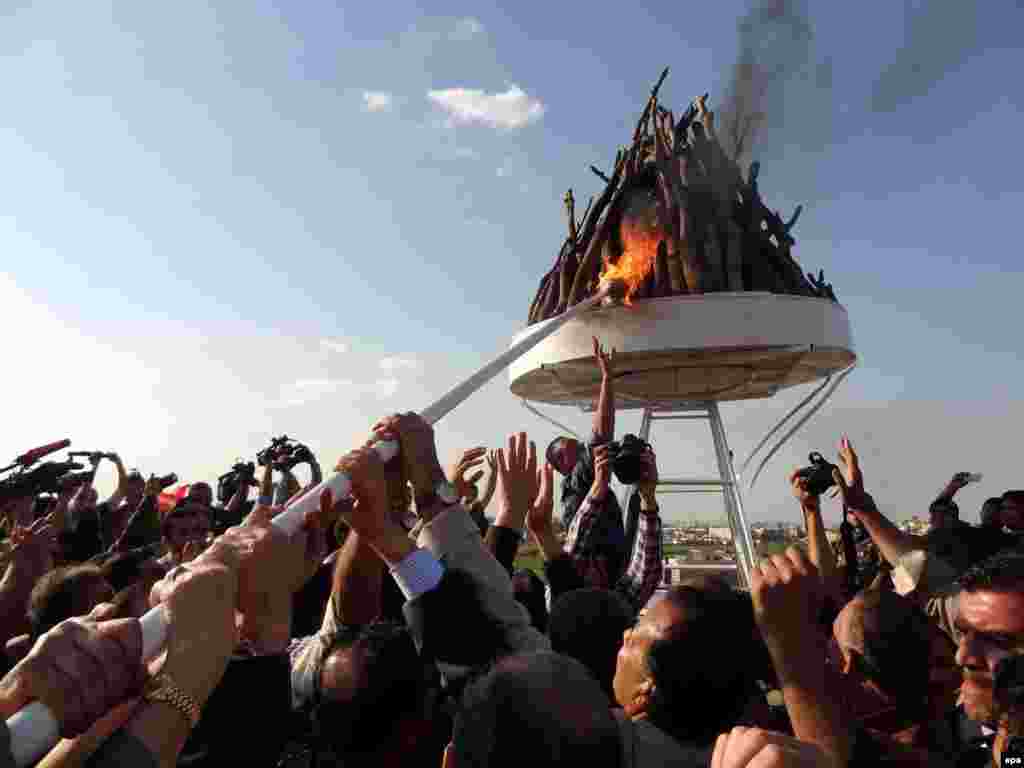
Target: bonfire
point(676, 217)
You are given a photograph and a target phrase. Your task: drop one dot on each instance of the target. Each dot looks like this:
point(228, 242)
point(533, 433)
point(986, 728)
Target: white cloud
point(303, 391)
point(467, 29)
point(385, 388)
point(509, 110)
point(400, 364)
point(377, 101)
point(331, 345)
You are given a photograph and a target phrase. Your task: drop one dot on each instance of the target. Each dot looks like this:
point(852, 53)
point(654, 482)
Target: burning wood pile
point(676, 217)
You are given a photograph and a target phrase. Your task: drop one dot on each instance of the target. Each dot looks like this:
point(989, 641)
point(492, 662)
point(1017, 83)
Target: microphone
point(31, 457)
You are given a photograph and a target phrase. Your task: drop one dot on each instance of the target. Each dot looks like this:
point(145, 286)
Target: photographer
point(576, 463)
point(289, 484)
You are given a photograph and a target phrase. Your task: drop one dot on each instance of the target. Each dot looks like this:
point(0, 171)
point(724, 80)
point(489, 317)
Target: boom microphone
point(31, 457)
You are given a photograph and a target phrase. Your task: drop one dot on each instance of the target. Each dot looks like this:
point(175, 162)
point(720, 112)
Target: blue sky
point(226, 221)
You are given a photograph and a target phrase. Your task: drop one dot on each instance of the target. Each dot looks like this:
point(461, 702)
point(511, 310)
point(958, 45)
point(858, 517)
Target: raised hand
point(517, 470)
point(79, 670)
point(200, 600)
point(799, 486)
point(602, 473)
point(849, 464)
point(648, 482)
point(605, 360)
point(754, 748)
point(471, 458)
point(787, 596)
point(538, 519)
point(418, 453)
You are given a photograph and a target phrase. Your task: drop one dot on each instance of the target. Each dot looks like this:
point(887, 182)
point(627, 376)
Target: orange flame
point(639, 250)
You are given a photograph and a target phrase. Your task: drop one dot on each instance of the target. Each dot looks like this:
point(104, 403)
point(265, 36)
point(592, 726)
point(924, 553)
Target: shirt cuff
point(419, 572)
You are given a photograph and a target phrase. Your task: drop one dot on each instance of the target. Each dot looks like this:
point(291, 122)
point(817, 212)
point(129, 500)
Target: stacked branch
point(716, 232)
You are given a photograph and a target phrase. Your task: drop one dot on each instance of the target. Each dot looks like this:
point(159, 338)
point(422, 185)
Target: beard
point(976, 694)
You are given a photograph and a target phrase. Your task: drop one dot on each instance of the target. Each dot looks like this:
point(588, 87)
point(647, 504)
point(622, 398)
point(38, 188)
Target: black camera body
point(279, 448)
point(818, 476)
point(167, 481)
point(627, 458)
point(45, 478)
point(229, 483)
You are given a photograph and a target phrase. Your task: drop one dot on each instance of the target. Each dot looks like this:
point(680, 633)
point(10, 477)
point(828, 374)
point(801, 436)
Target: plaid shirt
point(642, 574)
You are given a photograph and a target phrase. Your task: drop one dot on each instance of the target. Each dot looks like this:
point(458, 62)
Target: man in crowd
point(576, 462)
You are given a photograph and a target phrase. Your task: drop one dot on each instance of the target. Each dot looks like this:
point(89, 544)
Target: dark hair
point(530, 593)
point(897, 647)
point(702, 659)
point(554, 447)
point(391, 682)
point(183, 509)
point(587, 624)
point(1003, 572)
point(59, 596)
point(540, 709)
point(124, 569)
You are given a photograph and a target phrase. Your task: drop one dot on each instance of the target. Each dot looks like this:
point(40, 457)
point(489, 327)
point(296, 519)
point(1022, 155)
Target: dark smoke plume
point(939, 38)
point(775, 52)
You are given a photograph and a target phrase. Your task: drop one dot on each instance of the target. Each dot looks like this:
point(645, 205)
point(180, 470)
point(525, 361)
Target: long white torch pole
point(34, 730)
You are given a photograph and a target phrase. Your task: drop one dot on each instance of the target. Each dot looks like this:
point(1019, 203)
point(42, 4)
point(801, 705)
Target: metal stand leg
point(726, 480)
point(733, 502)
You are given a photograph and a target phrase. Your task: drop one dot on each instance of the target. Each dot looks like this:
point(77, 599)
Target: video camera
point(229, 483)
point(49, 477)
point(627, 458)
point(284, 454)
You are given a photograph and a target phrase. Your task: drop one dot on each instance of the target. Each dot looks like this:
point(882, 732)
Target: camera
point(279, 448)
point(167, 481)
point(818, 476)
point(627, 458)
point(45, 478)
point(284, 454)
point(229, 483)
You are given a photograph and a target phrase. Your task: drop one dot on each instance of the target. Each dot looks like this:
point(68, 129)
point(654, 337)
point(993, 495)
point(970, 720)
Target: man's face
point(992, 627)
point(631, 673)
point(566, 456)
point(181, 529)
point(201, 493)
point(1011, 514)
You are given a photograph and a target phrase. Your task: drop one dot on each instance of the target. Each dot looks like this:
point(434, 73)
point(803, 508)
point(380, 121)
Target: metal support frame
point(726, 482)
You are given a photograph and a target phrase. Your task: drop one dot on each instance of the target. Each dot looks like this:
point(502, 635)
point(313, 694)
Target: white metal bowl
point(717, 346)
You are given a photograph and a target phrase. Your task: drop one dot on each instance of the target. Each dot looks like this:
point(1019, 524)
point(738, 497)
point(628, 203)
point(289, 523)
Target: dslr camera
point(627, 458)
point(229, 483)
point(818, 476)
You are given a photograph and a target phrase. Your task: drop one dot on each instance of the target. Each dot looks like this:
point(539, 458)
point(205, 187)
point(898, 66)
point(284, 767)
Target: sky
point(223, 222)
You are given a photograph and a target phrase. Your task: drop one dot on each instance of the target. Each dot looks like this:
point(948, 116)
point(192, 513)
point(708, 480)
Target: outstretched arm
point(122, 482)
point(644, 571)
point(604, 416)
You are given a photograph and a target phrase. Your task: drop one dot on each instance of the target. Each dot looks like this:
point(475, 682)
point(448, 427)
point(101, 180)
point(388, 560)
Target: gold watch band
point(162, 688)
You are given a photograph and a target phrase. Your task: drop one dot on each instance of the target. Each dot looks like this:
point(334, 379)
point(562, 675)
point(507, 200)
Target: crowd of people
point(394, 629)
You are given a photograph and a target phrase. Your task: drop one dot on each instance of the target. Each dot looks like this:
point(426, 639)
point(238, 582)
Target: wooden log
point(594, 232)
point(713, 264)
point(600, 175)
point(532, 317)
point(763, 274)
point(549, 302)
point(651, 102)
point(566, 276)
point(662, 282)
point(734, 255)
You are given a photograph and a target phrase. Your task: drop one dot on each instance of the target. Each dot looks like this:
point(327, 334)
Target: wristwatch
point(162, 688)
